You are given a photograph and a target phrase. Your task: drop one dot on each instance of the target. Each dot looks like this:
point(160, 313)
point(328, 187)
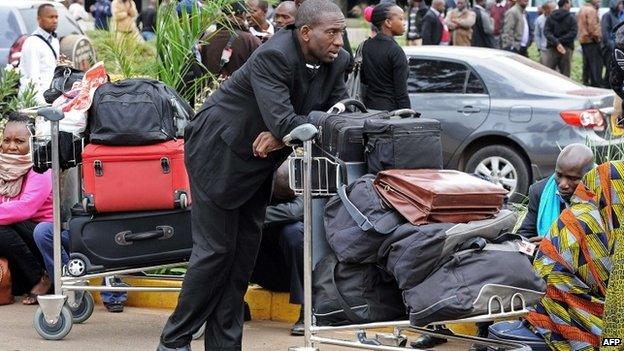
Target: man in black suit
point(233, 146)
point(574, 161)
point(431, 24)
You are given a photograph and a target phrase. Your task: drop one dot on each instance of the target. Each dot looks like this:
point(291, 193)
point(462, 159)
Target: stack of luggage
point(135, 190)
point(410, 239)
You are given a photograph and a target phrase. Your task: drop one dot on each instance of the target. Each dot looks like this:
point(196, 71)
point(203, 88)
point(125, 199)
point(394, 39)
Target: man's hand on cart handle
point(266, 143)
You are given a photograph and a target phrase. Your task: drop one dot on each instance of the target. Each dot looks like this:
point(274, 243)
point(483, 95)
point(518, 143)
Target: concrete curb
point(264, 304)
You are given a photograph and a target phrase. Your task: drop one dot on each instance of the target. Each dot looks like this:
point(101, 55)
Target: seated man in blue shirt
point(550, 196)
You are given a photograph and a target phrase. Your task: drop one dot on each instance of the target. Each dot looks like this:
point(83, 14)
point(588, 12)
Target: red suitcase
point(135, 178)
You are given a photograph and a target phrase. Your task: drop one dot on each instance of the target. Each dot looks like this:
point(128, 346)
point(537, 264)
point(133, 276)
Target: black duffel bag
point(62, 82)
point(462, 287)
point(402, 140)
point(354, 293)
point(137, 112)
point(412, 252)
point(357, 222)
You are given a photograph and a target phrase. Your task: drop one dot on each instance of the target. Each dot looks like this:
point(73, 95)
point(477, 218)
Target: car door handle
point(469, 110)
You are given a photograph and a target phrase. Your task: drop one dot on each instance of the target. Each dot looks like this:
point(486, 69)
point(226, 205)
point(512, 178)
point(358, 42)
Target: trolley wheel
point(84, 310)
point(199, 333)
point(55, 331)
point(182, 201)
point(76, 267)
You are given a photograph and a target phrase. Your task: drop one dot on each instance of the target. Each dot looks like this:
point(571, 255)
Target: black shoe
point(247, 315)
point(115, 307)
point(298, 329)
point(427, 341)
point(162, 347)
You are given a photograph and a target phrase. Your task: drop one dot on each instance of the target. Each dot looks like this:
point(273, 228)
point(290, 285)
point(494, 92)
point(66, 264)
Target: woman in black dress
point(384, 64)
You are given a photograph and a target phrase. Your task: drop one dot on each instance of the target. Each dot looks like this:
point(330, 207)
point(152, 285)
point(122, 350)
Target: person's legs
point(550, 58)
point(113, 300)
point(21, 259)
point(215, 247)
point(291, 243)
point(587, 78)
point(43, 236)
point(224, 328)
point(565, 62)
point(595, 65)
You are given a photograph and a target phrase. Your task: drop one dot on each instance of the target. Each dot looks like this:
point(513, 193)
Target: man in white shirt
point(41, 52)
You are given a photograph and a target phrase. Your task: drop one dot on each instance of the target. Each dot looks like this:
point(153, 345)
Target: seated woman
point(25, 200)
point(575, 259)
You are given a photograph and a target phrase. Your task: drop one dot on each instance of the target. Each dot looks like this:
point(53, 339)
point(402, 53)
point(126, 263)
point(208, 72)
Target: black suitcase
point(340, 134)
point(402, 140)
point(131, 239)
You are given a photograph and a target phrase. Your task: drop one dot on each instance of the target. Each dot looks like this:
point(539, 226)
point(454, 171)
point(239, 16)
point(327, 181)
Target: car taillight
point(15, 53)
point(585, 118)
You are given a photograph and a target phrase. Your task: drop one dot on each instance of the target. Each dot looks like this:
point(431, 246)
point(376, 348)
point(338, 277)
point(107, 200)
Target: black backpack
point(354, 293)
point(357, 222)
point(137, 112)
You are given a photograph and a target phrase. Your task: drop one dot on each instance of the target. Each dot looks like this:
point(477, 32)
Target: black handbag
point(63, 80)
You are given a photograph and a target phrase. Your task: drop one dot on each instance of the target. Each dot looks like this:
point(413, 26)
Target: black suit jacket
point(272, 91)
point(431, 29)
point(528, 228)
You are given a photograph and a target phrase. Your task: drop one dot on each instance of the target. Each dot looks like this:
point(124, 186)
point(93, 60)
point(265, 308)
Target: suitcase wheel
point(181, 200)
point(76, 267)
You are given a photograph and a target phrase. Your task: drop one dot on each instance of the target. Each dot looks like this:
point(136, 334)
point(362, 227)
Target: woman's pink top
point(33, 203)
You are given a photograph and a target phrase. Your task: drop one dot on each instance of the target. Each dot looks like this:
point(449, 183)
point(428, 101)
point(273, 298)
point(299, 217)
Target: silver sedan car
point(505, 116)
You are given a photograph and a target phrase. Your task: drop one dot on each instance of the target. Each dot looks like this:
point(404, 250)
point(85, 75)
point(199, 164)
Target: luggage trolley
point(317, 178)
point(72, 301)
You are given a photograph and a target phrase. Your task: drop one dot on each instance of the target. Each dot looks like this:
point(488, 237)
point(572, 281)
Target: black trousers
point(25, 261)
point(592, 65)
point(225, 245)
point(279, 266)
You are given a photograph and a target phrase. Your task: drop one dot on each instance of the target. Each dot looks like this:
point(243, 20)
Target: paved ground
point(135, 329)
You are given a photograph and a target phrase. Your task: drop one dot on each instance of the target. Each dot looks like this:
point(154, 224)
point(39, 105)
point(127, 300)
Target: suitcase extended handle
point(341, 106)
point(405, 113)
point(127, 237)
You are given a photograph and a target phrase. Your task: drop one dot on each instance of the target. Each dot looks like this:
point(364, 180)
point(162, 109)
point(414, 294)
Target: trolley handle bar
point(304, 132)
point(51, 113)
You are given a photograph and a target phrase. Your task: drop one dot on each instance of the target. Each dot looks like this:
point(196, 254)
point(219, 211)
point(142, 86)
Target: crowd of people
point(505, 25)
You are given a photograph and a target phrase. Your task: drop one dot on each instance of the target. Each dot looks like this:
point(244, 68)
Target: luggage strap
point(226, 54)
point(48, 44)
point(343, 303)
point(384, 225)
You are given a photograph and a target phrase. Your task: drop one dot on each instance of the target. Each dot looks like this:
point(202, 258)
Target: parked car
point(504, 116)
point(19, 20)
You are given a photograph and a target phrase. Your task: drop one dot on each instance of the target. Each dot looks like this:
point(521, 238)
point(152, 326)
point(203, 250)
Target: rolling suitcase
point(402, 143)
point(131, 239)
point(135, 178)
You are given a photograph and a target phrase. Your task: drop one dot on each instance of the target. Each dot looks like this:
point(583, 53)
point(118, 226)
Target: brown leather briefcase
point(431, 195)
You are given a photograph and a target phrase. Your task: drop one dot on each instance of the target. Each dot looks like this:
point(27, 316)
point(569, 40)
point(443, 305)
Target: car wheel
point(504, 166)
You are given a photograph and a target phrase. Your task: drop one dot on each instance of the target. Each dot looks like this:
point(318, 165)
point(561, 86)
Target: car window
point(475, 85)
point(438, 76)
point(8, 33)
point(66, 25)
point(533, 75)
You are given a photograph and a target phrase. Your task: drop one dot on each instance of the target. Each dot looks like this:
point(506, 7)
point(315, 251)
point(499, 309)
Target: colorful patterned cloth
point(575, 260)
point(609, 184)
